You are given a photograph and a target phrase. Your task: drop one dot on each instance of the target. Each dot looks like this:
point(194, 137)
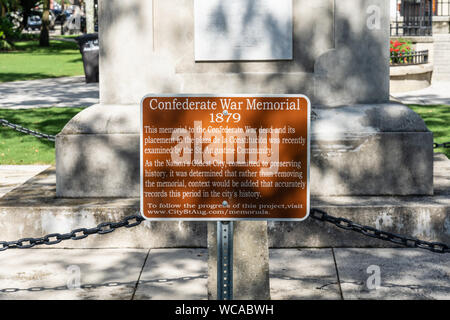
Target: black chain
point(77, 234)
point(445, 145)
point(379, 234)
point(19, 128)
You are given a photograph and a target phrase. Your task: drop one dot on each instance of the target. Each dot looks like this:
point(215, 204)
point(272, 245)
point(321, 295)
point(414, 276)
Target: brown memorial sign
point(234, 157)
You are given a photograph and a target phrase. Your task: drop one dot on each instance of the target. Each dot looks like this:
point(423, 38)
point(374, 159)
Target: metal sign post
point(225, 260)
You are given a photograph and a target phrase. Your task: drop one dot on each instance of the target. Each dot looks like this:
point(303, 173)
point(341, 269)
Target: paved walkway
point(74, 92)
point(437, 93)
point(162, 274)
point(55, 92)
point(13, 176)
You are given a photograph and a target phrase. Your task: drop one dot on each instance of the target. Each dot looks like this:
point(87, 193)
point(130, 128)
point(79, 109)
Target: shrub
point(7, 34)
point(400, 51)
point(7, 27)
point(4, 45)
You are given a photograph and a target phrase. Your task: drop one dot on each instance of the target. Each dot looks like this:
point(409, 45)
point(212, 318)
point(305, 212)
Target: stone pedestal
point(376, 149)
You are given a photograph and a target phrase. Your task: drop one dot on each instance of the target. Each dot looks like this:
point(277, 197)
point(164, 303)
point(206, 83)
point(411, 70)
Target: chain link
point(406, 241)
point(445, 145)
point(77, 234)
point(19, 128)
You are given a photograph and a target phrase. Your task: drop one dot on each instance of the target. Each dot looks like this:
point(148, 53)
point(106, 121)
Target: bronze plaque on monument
point(234, 157)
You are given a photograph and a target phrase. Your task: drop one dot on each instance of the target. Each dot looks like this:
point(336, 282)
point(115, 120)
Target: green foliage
point(18, 148)
point(7, 27)
point(400, 51)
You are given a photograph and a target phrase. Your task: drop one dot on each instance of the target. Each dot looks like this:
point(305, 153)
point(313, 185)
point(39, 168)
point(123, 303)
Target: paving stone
point(172, 274)
point(53, 92)
point(405, 274)
point(12, 176)
point(42, 274)
point(297, 274)
point(437, 93)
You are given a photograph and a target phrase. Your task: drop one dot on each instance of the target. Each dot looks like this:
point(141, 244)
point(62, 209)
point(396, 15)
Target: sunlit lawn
point(29, 61)
point(437, 119)
point(19, 148)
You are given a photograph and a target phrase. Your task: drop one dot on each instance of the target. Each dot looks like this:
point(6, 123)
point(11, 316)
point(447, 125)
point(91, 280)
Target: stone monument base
point(375, 149)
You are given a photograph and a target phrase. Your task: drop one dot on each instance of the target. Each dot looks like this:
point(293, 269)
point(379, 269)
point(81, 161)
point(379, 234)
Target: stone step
point(32, 210)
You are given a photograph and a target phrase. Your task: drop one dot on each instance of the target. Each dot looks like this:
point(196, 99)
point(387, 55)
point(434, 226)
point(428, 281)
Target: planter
point(410, 78)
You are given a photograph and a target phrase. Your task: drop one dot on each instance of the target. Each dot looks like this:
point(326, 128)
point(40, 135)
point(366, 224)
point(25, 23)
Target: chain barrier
point(77, 234)
point(19, 128)
point(406, 241)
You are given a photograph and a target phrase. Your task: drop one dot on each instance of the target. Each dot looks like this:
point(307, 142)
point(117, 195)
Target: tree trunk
point(63, 18)
point(26, 14)
point(44, 37)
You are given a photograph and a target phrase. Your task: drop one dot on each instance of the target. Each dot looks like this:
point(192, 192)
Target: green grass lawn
point(19, 148)
point(437, 119)
point(29, 61)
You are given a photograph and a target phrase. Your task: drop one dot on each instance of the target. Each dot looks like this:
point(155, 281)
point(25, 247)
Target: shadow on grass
point(21, 76)
point(46, 120)
point(20, 148)
point(55, 47)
